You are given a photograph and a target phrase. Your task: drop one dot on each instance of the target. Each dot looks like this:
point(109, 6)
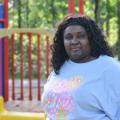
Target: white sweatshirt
point(84, 91)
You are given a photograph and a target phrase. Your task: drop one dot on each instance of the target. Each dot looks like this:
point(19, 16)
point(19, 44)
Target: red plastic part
point(81, 7)
point(21, 67)
point(13, 69)
point(47, 56)
point(38, 65)
point(5, 2)
point(71, 7)
point(6, 88)
point(30, 65)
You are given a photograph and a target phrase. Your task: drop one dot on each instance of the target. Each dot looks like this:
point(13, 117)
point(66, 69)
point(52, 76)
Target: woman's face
point(76, 43)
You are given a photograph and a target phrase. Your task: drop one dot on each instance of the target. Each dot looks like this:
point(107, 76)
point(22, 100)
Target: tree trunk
point(96, 11)
point(108, 18)
point(27, 13)
point(19, 14)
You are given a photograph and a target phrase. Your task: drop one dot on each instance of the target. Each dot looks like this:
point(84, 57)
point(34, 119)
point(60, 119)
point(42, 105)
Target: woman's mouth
point(75, 49)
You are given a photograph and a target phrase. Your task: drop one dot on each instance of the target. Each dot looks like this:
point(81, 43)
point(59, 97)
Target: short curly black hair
point(95, 36)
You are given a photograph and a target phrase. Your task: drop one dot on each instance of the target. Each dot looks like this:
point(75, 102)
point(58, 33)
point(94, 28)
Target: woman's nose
point(74, 41)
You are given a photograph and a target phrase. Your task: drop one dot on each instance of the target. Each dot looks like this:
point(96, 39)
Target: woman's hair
point(95, 37)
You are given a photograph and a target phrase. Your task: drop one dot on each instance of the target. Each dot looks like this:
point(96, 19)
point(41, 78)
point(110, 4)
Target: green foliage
point(38, 13)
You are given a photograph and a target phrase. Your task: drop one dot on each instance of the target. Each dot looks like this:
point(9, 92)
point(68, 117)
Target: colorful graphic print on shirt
point(58, 101)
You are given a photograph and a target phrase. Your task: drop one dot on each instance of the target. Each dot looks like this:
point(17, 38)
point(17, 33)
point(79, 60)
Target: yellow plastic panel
point(21, 116)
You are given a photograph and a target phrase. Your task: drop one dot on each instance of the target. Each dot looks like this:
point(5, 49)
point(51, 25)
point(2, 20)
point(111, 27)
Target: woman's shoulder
point(49, 81)
point(51, 75)
point(112, 72)
point(110, 62)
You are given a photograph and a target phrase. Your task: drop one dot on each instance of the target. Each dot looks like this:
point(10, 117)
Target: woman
point(84, 84)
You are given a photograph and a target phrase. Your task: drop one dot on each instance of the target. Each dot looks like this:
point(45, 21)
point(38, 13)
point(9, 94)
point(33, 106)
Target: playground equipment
point(9, 115)
point(4, 50)
point(29, 33)
point(71, 7)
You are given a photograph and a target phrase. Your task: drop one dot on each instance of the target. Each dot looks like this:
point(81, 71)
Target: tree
point(97, 10)
point(19, 5)
point(108, 18)
point(118, 23)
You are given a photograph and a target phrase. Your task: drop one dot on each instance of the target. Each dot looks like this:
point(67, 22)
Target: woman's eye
point(68, 37)
point(81, 35)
